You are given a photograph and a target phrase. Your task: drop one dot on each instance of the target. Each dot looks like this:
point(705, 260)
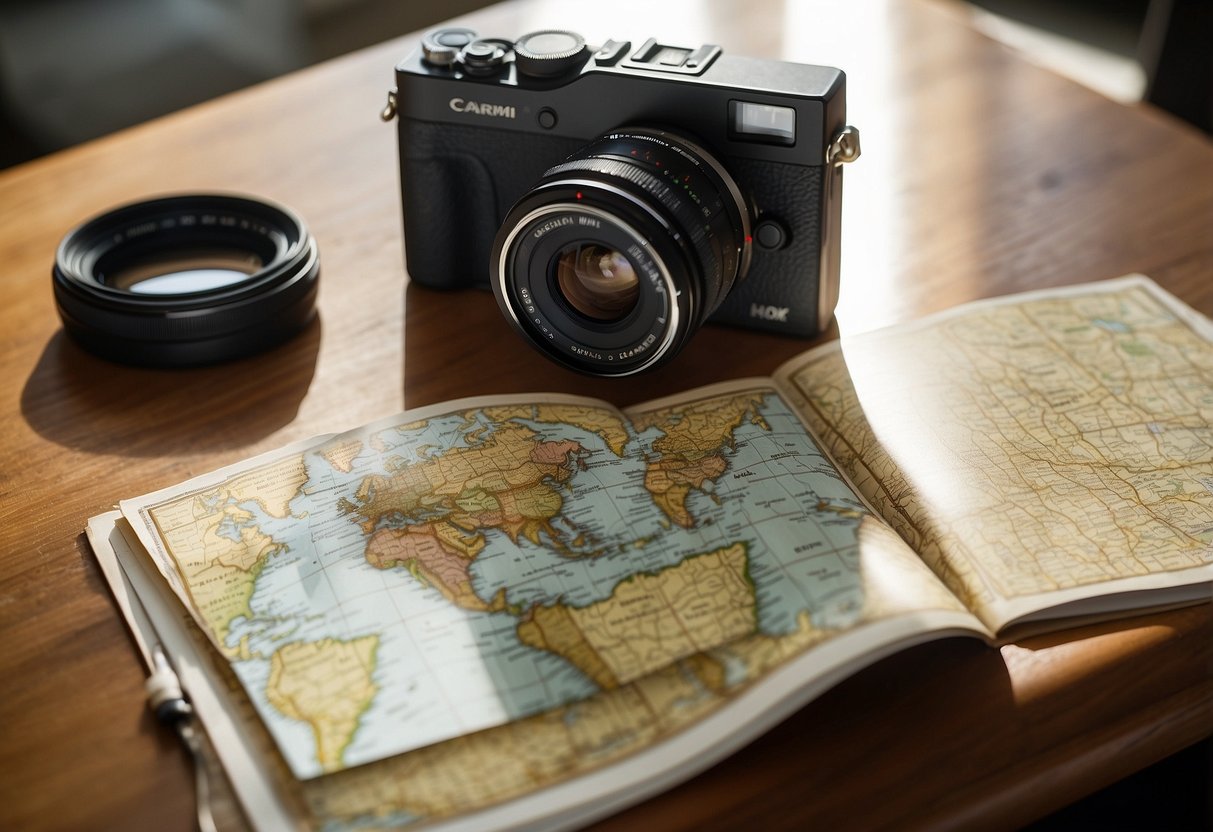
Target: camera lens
point(596, 281)
point(186, 280)
point(620, 253)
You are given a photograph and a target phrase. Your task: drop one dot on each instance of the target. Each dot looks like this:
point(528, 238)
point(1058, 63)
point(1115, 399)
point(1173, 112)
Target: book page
point(489, 571)
point(553, 771)
point(1038, 451)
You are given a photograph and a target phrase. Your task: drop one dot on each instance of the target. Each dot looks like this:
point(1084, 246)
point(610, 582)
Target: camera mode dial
point(549, 53)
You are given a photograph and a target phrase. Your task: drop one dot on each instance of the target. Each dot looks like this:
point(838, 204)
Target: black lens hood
point(193, 327)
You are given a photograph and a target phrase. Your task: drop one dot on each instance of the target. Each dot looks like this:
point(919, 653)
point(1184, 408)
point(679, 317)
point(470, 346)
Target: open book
point(535, 610)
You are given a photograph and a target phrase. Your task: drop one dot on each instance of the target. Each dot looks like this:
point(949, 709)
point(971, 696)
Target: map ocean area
point(569, 590)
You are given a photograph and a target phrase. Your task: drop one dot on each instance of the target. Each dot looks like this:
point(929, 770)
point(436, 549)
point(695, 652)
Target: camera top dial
point(549, 53)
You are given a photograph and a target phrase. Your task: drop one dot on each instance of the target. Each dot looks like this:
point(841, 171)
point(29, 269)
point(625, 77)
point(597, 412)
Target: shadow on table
point(457, 343)
point(867, 748)
point(88, 404)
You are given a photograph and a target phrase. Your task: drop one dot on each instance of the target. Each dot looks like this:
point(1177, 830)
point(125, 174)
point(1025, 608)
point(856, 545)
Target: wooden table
point(981, 175)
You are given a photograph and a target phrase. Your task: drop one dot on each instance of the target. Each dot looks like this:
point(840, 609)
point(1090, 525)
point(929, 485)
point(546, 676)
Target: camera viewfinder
point(767, 123)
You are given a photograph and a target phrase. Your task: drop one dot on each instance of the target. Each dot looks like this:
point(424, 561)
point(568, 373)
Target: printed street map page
point(1033, 445)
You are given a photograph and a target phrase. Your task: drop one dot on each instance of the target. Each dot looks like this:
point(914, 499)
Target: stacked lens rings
point(187, 280)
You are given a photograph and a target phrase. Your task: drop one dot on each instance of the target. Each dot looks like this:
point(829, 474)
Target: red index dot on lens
point(579, 194)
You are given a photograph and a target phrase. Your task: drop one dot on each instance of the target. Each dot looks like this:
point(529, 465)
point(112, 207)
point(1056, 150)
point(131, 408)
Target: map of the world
point(397, 586)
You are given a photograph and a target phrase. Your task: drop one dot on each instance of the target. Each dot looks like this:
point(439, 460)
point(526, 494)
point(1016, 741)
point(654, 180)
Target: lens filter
point(187, 280)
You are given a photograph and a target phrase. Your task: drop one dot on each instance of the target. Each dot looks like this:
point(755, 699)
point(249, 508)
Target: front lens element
point(598, 282)
point(180, 272)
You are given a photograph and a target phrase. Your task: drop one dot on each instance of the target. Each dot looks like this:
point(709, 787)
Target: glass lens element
point(182, 271)
point(598, 282)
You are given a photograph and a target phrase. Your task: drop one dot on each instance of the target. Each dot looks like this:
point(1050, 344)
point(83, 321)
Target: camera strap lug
point(389, 112)
point(844, 148)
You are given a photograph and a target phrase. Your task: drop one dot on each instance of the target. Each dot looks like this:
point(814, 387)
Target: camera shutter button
point(483, 57)
point(770, 235)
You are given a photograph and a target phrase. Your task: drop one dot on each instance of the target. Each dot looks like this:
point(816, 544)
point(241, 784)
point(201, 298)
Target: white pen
point(164, 694)
point(167, 701)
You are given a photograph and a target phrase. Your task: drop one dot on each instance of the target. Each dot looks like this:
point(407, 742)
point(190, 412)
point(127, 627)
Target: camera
point(616, 198)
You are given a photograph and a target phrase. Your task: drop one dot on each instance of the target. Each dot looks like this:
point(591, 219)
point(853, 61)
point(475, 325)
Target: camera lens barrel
point(186, 280)
point(621, 252)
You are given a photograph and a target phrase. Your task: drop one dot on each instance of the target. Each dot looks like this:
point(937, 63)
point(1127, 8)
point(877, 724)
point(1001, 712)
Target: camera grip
point(457, 183)
point(449, 209)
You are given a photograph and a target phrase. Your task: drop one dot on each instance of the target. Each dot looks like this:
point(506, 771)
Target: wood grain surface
point(981, 175)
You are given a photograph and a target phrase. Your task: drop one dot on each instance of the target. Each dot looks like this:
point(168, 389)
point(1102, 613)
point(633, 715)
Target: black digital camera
point(616, 198)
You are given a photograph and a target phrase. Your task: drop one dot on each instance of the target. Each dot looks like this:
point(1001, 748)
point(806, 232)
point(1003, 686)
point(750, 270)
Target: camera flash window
point(762, 122)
